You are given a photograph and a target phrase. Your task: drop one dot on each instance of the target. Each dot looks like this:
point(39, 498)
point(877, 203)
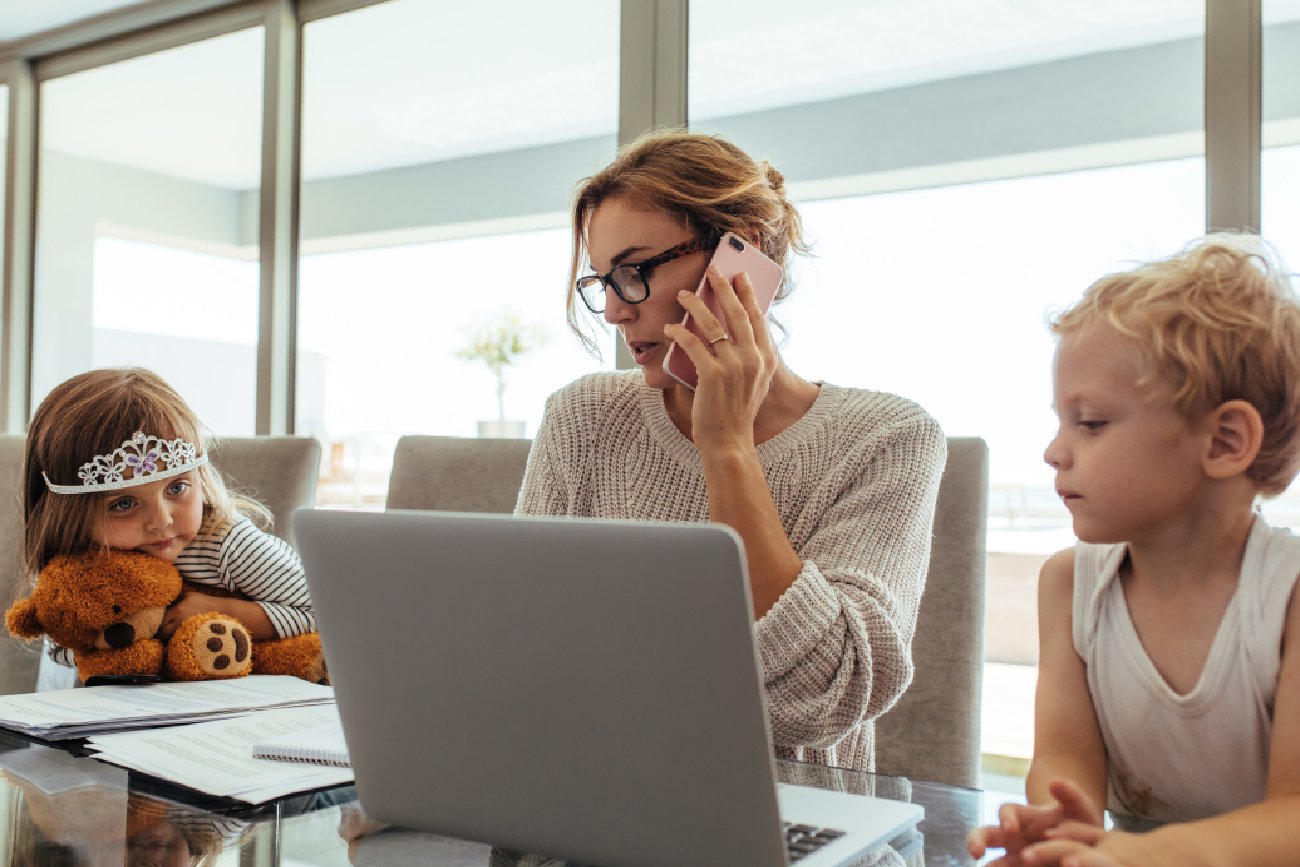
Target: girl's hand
point(735, 372)
point(1020, 826)
point(246, 611)
point(189, 603)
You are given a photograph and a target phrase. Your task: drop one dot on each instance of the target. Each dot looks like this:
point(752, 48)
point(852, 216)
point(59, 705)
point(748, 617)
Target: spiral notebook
point(322, 745)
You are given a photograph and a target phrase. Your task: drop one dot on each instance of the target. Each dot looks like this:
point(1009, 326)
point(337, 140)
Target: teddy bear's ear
point(23, 621)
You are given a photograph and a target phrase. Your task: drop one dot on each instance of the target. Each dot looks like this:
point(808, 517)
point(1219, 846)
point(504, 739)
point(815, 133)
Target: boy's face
point(158, 518)
point(1128, 465)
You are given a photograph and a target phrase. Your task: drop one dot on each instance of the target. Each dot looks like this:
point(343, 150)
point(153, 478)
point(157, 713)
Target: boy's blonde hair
point(1219, 321)
point(91, 414)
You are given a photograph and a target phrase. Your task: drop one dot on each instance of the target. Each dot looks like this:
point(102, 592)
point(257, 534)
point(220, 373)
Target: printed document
point(75, 713)
point(216, 757)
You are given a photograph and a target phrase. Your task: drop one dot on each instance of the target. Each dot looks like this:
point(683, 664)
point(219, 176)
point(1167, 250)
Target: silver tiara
point(147, 457)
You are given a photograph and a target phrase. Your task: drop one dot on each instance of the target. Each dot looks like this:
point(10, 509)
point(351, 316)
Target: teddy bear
point(107, 606)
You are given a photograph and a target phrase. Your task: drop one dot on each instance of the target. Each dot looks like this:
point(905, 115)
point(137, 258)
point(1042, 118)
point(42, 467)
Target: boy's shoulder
point(1057, 573)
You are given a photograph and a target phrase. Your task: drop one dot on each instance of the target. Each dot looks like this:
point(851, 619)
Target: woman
point(831, 489)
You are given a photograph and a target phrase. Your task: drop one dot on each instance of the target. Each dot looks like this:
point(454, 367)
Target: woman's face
point(621, 233)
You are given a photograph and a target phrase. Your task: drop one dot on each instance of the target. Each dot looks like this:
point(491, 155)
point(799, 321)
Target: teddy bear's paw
point(299, 656)
point(210, 646)
point(224, 648)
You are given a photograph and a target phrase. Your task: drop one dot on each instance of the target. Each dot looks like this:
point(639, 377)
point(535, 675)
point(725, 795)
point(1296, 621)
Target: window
point(185, 335)
point(1280, 169)
point(147, 233)
point(4, 135)
point(437, 171)
point(962, 170)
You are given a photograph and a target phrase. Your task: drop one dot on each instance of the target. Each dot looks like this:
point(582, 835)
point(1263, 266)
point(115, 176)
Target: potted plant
point(499, 343)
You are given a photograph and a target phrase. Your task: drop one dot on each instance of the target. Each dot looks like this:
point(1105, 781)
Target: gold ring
point(719, 338)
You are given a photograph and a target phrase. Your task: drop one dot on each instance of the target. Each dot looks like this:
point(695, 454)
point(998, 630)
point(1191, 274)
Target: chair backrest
point(455, 474)
point(933, 733)
point(278, 471)
point(19, 660)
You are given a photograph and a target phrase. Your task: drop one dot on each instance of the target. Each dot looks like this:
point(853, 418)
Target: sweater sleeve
point(543, 491)
point(268, 571)
point(836, 647)
point(565, 445)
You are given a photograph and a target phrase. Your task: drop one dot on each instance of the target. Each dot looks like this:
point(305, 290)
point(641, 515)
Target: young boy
point(1169, 669)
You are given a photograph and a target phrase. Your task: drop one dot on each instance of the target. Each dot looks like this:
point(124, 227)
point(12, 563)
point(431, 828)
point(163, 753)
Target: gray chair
point(455, 474)
point(933, 733)
point(279, 471)
point(19, 660)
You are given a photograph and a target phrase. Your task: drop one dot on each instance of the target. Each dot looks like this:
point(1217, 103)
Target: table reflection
point(61, 808)
point(92, 818)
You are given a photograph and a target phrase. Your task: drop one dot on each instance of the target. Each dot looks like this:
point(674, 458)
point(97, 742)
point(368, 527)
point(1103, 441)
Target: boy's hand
point(1077, 844)
point(1020, 826)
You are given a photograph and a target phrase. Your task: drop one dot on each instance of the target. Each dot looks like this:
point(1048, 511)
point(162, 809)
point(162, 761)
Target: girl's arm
point(1266, 834)
point(1067, 777)
point(263, 569)
point(251, 614)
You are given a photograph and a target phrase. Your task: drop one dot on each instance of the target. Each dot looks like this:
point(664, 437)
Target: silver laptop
point(578, 688)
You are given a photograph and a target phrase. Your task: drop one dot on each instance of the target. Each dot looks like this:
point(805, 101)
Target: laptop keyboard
point(803, 840)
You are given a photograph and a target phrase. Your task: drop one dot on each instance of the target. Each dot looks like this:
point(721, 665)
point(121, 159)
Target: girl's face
point(620, 233)
point(158, 518)
point(158, 845)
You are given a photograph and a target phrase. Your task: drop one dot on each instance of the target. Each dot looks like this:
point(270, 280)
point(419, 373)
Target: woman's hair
point(1219, 321)
point(92, 414)
point(709, 184)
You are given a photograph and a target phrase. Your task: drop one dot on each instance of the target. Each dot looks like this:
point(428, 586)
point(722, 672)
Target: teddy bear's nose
point(119, 635)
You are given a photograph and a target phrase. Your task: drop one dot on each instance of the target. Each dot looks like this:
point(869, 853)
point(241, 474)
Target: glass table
point(60, 807)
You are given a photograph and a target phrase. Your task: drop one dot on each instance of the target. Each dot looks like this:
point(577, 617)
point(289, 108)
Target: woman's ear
point(1236, 434)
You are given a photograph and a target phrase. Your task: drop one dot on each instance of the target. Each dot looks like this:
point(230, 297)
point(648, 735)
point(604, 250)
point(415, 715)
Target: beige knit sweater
point(855, 482)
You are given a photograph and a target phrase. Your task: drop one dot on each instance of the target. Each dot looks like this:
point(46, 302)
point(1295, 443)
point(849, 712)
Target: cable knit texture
point(855, 481)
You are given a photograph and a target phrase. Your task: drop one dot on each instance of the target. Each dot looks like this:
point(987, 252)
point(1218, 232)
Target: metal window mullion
point(652, 66)
point(1233, 114)
point(315, 10)
point(278, 220)
point(125, 34)
point(19, 246)
point(653, 45)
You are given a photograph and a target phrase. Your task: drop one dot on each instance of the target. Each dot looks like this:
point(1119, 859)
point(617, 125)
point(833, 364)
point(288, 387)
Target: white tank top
point(1178, 757)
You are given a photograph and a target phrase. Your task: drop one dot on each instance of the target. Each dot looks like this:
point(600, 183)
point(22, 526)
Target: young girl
point(1169, 670)
point(115, 459)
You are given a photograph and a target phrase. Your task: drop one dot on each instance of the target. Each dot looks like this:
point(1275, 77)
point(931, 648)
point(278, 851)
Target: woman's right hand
point(735, 372)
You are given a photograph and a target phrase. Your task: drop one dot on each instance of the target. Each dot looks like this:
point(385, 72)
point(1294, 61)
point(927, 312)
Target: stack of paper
point(75, 713)
point(217, 756)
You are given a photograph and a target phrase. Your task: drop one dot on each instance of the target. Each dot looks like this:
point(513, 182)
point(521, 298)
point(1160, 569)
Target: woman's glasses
point(630, 282)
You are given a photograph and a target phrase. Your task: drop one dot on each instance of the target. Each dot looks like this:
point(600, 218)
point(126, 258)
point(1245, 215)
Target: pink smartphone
point(734, 255)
